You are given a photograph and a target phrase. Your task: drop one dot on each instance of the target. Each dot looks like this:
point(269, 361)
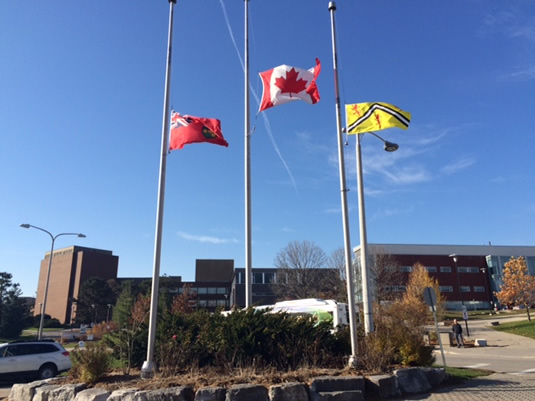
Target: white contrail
point(257, 98)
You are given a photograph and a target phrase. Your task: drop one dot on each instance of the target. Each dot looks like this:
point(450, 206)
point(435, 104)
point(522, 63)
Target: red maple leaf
point(291, 84)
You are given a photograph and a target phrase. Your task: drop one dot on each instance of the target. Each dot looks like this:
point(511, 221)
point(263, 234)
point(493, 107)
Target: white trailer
point(322, 310)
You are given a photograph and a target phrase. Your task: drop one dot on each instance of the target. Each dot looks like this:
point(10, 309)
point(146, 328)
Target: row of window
point(212, 303)
point(258, 278)
point(443, 269)
point(464, 288)
point(204, 290)
point(442, 288)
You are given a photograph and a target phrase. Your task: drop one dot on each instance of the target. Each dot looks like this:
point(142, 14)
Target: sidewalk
point(510, 355)
point(496, 387)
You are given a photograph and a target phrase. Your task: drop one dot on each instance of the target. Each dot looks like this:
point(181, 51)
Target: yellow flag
point(366, 117)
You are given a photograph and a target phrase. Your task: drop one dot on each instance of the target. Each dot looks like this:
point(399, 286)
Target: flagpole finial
point(332, 5)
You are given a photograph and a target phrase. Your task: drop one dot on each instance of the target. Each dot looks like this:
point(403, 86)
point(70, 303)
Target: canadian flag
point(285, 84)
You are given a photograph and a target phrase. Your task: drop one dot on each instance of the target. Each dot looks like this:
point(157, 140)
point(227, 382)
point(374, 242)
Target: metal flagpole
point(147, 370)
point(343, 190)
point(248, 241)
point(366, 299)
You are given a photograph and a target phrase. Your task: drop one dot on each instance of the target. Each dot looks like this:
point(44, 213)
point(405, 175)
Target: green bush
point(246, 338)
point(90, 363)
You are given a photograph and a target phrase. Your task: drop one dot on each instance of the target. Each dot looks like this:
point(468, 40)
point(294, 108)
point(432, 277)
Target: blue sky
point(81, 104)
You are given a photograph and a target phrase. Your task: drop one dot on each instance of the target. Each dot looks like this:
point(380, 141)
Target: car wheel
point(47, 371)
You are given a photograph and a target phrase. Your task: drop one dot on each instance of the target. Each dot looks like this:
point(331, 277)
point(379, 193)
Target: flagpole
point(248, 240)
point(366, 300)
point(147, 370)
point(343, 191)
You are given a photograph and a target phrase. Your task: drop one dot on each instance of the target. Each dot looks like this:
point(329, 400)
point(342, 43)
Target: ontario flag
point(188, 129)
point(285, 84)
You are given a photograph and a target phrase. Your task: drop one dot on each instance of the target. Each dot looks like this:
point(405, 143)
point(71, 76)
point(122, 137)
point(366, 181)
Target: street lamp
point(93, 315)
point(108, 314)
point(487, 293)
point(53, 238)
point(366, 298)
point(454, 256)
point(465, 315)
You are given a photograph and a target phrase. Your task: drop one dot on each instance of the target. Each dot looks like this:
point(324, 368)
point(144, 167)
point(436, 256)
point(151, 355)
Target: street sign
point(430, 297)
point(465, 313)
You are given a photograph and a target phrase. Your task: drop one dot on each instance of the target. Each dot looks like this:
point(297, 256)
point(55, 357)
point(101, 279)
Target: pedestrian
point(458, 331)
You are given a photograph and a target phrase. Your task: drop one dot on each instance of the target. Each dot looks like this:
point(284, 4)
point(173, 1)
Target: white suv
point(44, 359)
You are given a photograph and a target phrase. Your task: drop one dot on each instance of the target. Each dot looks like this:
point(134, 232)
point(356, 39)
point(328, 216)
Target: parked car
point(42, 359)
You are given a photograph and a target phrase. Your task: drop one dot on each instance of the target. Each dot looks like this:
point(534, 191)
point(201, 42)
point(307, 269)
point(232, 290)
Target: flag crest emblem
point(188, 129)
point(376, 116)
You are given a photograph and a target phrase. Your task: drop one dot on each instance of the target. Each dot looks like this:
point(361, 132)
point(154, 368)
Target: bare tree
point(385, 275)
point(337, 262)
point(302, 273)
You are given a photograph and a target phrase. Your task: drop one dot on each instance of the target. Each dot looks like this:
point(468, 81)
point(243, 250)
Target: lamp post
point(465, 315)
point(487, 293)
point(454, 257)
point(93, 315)
point(366, 298)
point(53, 238)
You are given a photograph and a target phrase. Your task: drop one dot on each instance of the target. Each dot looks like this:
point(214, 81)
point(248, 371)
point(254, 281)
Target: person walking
point(458, 331)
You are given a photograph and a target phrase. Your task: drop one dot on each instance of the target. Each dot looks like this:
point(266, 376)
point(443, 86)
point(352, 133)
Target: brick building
point(469, 279)
point(71, 267)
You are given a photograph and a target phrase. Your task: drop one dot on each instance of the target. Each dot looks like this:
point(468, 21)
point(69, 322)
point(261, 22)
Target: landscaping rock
point(383, 386)
point(25, 391)
point(435, 376)
point(412, 380)
point(92, 394)
point(328, 383)
point(127, 394)
point(247, 392)
point(171, 394)
point(212, 393)
point(352, 395)
point(288, 392)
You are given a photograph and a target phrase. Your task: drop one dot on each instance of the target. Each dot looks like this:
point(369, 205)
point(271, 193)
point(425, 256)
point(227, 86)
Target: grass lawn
point(459, 375)
point(483, 315)
point(523, 328)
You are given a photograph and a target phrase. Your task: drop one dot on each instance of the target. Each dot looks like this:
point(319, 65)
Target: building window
point(431, 269)
point(221, 302)
point(221, 290)
point(445, 288)
point(465, 288)
point(212, 303)
point(478, 288)
point(258, 278)
point(202, 303)
point(212, 290)
point(445, 269)
point(202, 290)
point(468, 270)
point(407, 269)
point(269, 278)
point(239, 278)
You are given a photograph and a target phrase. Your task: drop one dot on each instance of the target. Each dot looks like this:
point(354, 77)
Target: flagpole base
point(352, 362)
point(147, 370)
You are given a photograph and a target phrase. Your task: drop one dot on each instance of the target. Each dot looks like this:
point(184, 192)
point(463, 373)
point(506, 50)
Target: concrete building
point(71, 267)
point(471, 280)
